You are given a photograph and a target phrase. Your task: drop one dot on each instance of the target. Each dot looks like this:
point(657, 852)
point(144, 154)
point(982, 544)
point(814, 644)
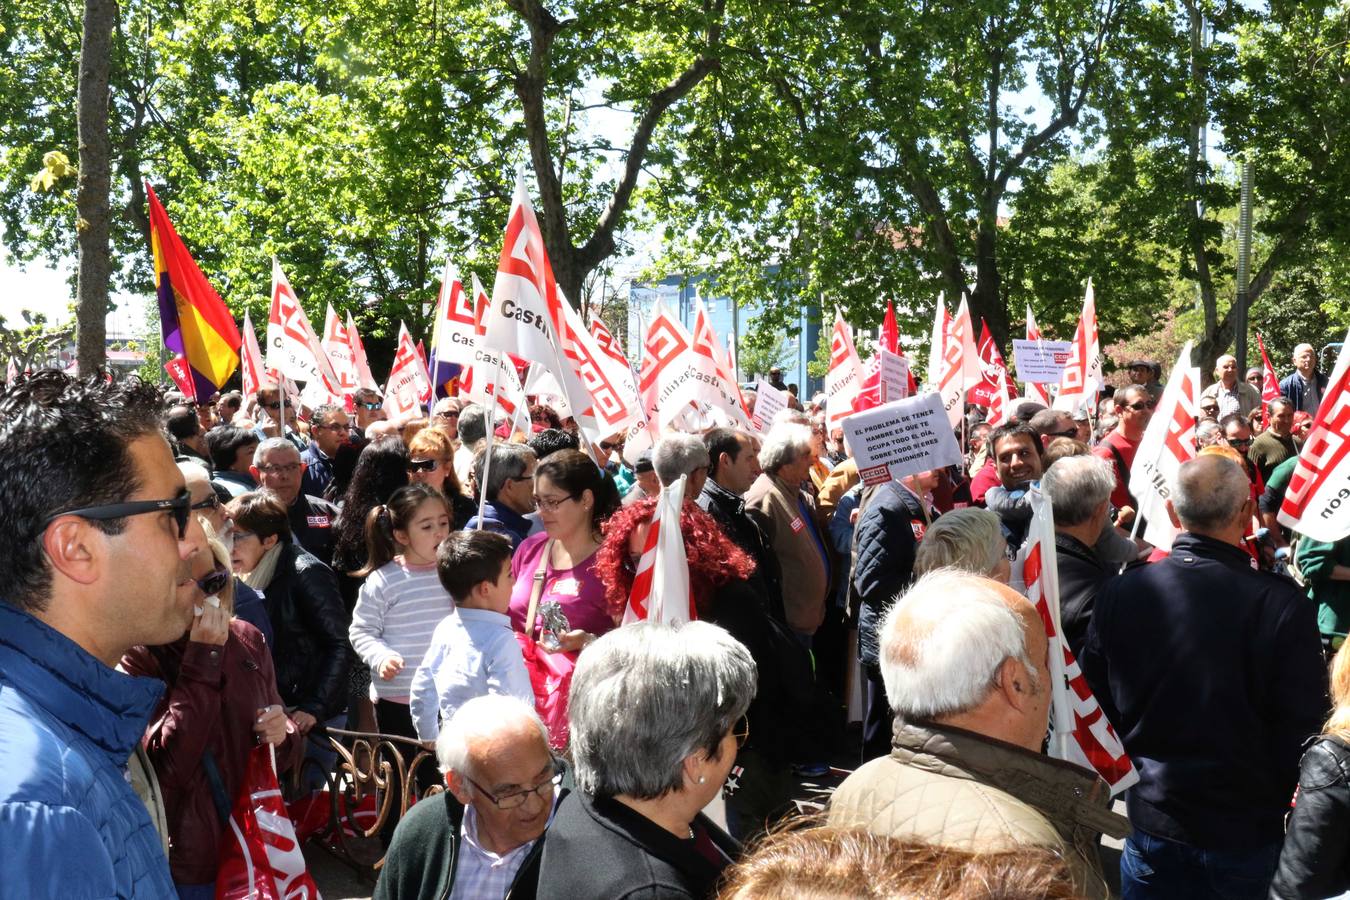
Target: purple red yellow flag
point(195, 322)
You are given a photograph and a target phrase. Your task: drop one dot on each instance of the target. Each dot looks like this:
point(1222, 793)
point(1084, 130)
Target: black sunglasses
point(210, 502)
point(607, 446)
point(422, 465)
point(214, 582)
point(276, 405)
point(178, 505)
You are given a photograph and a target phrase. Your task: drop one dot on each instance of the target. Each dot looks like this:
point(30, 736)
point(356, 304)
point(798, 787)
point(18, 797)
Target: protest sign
point(901, 438)
point(1040, 362)
point(894, 376)
point(768, 401)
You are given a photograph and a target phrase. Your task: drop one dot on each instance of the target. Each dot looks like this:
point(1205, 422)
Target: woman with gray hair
point(657, 713)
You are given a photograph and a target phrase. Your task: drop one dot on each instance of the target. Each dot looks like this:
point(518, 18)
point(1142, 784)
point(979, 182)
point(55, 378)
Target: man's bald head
point(1211, 495)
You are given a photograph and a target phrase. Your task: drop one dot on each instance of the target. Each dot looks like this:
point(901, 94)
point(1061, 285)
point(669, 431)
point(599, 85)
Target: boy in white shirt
point(473, 651)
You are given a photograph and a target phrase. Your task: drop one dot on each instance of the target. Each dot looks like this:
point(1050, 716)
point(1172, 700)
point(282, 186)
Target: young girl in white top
point(402, 600)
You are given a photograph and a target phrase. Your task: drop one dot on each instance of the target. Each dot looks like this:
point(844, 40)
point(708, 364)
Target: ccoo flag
point(193, 319)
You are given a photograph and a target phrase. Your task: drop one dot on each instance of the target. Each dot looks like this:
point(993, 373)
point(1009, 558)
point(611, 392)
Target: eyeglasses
point(607, 446)
point(423, 465)
point(1068, 433)
point(1138, 407)
point(1212, 410)
point(449, 414)
point(741, 732)
point(178, 505)
point(287, 469)
point(517, 798)
point(210, 502)
point(214, 582)
point(1239, 442)
point(548, 504)
point(241, 535)
point(276, 405)
point(370, 406)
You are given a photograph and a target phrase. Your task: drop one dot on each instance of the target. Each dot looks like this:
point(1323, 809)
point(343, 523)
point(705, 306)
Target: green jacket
point(424, 852)
point(1316, 561)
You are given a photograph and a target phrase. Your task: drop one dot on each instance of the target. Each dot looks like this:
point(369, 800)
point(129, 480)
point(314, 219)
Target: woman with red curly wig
point(718, 570)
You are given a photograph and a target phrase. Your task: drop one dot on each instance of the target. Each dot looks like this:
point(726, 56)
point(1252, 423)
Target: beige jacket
point(963, 790)
point(773, 503)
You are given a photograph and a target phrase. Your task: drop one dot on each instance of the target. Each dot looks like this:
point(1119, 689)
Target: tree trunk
point(92, 194)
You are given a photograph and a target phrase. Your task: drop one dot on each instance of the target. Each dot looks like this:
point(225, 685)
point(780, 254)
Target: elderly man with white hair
point(1212, 674)
point(1079, 488)
point(788, 519)
point(965, 660)
point(1233, 394)
point(1305, 386)
point(482, 837)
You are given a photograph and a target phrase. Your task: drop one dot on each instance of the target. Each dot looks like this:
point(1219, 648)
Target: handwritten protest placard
point(1040, 362)
point(902, 438)
point(768, 401)
point(894, 376)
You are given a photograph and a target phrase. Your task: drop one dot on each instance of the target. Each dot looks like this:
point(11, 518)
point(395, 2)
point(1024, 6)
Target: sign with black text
point(1040, 362)
point(902, 438)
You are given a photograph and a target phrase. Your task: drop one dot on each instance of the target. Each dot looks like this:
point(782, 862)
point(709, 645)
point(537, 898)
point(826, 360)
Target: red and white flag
point(408, 383)
point(293, 349)
point(660, 591)
point(1317, 502)
point(1079, 730)
point(720, 397)
point(1038, 392)
point(337, 344)
point(252, 371)
point(605, 376)
point(261, 857)
point(181, 373)
point(958, 366)
point(1168, 442)
point(992, 371)
point(1270, 385)
point(478, 382)
point(1082, 376)
point(845, 377)
point(364, 378)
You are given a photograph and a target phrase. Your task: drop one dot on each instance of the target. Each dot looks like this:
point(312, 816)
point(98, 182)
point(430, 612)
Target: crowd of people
point(185, 580)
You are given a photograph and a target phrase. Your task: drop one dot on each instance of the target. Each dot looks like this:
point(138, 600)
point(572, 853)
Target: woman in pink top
point(574, 498)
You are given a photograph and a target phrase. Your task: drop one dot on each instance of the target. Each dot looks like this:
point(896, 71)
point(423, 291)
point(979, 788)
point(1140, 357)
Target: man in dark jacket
point(1305, 386)
point(1079, 488)
point(510, 491)
point(1212, 674)
point(278, 468)
point(329, 429)
point(732, 467)
point(892, 522)
point(483, 837)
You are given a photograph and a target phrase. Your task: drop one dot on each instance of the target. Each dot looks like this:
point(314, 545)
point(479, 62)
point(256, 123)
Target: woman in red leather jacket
point(221, 700)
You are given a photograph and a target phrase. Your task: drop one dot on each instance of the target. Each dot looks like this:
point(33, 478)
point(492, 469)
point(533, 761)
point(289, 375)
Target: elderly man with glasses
point(329, 429)
point(484, 836)
point(95, 558)
point(278, 468)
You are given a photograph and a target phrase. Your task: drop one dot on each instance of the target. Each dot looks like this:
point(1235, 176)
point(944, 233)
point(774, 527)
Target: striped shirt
point(482, 874)
point(396, 614)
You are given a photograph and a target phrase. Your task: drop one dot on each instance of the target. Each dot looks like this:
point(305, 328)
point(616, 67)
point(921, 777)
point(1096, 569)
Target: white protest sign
point(894, 376)
point(768, 401)
point(1040, 362)
point(902, 438)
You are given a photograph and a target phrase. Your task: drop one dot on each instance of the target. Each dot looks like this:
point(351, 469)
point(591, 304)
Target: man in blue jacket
point(1212, 674)
point(94, 551)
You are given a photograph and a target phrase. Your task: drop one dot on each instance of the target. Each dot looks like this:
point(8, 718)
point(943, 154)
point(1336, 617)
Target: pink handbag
point(550, 673)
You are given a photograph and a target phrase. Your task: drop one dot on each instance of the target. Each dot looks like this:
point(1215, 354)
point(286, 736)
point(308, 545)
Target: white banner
point(901, 438)
point(1168, 442)
point(338, 346)
point(894, 375)
point(292, 347)
point(1040, 362)
point(1317, 502)
point(403, 393)
point(769, 400)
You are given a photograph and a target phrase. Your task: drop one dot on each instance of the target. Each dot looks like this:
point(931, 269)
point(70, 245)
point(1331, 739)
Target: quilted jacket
point(70, 824)
point(885, 540)
point(970, 792)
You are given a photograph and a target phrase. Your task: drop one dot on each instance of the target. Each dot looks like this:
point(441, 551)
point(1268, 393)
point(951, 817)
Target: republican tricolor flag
point(193, 319)
point(1079, 730)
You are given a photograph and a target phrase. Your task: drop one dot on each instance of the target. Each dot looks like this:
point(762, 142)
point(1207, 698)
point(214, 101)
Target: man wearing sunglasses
point(484, 836)
point(94, 550)
point(1134, 407)
point(329, 429)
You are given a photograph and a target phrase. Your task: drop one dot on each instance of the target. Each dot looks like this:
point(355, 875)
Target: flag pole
point(487, 447)
point(281, 398)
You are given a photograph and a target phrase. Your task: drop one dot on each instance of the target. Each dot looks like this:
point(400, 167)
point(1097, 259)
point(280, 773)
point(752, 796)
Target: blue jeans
point(1153, 868)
